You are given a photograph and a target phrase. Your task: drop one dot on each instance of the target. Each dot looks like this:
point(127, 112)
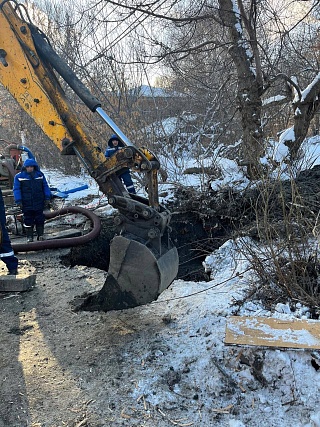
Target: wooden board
point(271, 332)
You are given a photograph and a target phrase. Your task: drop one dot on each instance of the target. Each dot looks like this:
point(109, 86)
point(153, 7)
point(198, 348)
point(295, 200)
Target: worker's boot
point(40, 231)
point(29, 233)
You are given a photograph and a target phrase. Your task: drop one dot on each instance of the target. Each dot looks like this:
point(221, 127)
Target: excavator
point(143, 260)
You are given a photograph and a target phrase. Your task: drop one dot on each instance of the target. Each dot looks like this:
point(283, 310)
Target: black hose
point(66, 242)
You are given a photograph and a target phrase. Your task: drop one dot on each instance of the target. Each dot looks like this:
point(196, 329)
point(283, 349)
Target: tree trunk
point(305, 105)
point(248, 91)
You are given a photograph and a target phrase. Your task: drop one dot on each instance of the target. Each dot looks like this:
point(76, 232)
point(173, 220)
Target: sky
point(202, 310)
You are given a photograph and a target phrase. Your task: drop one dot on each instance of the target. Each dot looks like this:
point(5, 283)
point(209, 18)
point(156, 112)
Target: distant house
point(153, 92)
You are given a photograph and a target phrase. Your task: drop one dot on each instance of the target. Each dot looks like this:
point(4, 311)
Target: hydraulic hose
point(65, 242)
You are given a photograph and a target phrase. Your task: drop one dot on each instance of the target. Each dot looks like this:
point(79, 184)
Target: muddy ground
point(60, 368)
point(64, 368)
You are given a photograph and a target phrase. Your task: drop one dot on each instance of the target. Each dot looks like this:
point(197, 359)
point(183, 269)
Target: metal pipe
point(113, 126)
point(66, 242)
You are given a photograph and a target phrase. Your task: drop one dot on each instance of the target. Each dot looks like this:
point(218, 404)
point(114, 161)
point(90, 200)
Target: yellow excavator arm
point(143, 261)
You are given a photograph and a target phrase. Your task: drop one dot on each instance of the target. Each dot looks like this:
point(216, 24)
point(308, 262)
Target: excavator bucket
point(143, 260)
point(139, 272)
point(136, 276)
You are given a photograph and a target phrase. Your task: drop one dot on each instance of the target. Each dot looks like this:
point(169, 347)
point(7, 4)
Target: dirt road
point(61, 368)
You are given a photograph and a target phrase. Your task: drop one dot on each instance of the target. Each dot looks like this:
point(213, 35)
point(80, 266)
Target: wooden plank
point(271, 332)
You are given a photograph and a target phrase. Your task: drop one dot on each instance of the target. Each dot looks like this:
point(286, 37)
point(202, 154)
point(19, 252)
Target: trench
point(193, 239)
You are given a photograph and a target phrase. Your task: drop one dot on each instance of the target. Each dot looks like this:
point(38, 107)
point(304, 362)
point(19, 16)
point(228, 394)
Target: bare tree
point(260, 37)
point(228, 58)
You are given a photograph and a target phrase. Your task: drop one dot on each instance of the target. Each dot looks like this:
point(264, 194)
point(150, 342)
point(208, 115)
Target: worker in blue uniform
point(32, 193)
point(6, 251)
point(114, 144)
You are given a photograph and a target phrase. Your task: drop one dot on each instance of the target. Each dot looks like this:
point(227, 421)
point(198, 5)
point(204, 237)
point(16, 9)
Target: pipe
point(68, 241)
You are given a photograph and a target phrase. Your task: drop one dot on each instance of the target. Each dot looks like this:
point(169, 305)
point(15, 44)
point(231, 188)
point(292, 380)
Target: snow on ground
point(64, 183)
point(204, 307)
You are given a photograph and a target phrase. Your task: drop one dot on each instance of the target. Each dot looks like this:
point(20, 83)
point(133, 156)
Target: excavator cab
point(143, 260)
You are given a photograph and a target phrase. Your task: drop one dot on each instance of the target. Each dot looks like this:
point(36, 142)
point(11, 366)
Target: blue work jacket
point(31, 189)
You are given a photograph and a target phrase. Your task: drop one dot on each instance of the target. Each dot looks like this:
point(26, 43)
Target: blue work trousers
point(31, 218)
point(127, 180)
point(6, 251)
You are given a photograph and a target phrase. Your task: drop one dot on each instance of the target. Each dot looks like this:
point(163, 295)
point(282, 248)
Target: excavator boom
point(143, 261)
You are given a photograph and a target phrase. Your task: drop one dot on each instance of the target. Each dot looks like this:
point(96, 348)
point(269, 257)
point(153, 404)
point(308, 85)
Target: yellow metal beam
point(19, 78)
